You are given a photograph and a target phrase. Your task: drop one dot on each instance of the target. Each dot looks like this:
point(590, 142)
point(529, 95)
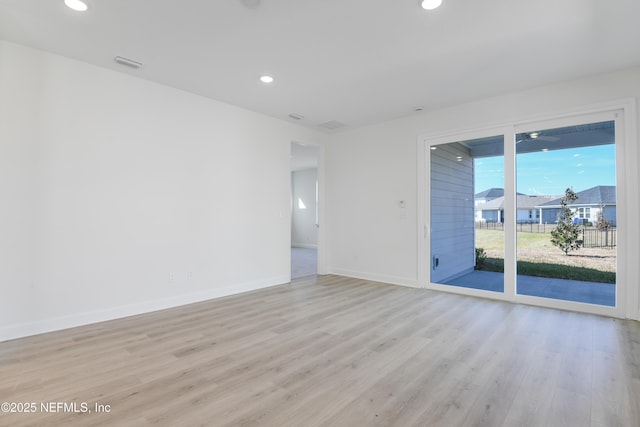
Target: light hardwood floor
point(333, 352)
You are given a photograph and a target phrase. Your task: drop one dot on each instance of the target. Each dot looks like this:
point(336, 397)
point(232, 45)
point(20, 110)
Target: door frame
point(321, 256)
point(627, 160)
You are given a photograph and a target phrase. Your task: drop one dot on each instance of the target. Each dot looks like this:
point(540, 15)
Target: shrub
point(481, 257)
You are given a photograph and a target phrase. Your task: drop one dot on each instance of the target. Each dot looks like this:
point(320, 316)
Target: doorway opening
point(305, 210)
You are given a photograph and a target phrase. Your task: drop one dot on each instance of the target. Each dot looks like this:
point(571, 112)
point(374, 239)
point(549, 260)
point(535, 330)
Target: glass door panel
point(467, 213)
point(566, 213)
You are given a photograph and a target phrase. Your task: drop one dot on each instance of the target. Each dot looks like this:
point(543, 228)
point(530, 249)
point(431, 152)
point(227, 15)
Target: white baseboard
point(86, 318)
point(304, 245)
point(411, 282)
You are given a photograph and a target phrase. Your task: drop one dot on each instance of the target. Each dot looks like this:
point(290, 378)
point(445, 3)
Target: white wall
point(368, 172)
point(304, 232)
point(371, 168)
point(527, 215)
point(120, 196)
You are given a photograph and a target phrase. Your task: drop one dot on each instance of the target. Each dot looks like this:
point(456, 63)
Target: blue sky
point(551, 172)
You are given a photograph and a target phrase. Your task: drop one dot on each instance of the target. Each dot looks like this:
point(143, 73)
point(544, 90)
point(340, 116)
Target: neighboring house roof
point(600, 195)
point(532, 202)
point(491, 193)
point(492, 205)
point(522, 202)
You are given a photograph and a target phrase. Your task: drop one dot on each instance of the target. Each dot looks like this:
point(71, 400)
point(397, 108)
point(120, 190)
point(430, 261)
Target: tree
point(602, 223)
point(566, 236)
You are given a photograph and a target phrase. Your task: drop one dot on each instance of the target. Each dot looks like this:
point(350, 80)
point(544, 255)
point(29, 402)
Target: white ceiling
point(353, 61)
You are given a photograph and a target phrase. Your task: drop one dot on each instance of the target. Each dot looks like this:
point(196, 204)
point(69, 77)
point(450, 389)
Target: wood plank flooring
point(331, 351)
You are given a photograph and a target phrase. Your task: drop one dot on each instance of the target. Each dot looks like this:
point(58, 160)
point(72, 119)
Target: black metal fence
point(591, 237)
point(489, 226)
point(521, 227)
point(594, 238)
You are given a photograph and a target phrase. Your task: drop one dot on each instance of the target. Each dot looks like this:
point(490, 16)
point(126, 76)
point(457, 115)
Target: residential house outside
point(587, 207)
point(493, 210)
point(546, 209)
point(485, 197)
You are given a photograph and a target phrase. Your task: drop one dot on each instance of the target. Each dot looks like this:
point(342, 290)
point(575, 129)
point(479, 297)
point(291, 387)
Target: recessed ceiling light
point(430, 4)
point(266, 79)
point(78, 5)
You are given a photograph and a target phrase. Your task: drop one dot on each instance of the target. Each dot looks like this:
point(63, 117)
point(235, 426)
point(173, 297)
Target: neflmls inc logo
point(66, 407)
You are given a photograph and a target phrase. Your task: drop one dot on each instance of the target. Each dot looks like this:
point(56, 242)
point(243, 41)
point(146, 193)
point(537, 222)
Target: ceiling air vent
point(296, 116)
point(331, 125)
point(127, 62)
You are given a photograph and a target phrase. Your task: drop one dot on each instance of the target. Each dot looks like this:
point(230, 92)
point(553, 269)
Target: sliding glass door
point(528, 214)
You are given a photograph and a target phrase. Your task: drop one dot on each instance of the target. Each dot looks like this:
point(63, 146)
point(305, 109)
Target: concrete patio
point(568, 290)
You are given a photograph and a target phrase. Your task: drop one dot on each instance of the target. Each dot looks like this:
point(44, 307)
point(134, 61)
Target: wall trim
point(82, 319)
point(470, 132)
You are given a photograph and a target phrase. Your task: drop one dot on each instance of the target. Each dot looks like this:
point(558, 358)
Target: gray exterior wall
point(452, 213)
point(550, 216)
point(490, 216)
point(610, 215)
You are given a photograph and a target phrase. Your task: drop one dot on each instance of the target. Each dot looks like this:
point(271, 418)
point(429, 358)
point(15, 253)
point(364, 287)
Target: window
point(584, 213)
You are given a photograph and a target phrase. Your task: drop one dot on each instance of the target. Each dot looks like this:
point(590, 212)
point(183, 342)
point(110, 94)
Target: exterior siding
point(452, 213)
point(523, 216)
point(550, 216)
point(610, 214)
point(489, 216)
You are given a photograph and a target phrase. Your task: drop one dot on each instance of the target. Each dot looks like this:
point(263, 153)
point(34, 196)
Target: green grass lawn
point(537, 257)
point(490, 240)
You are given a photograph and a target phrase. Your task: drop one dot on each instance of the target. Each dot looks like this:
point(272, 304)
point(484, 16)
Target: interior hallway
point(304, 262)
